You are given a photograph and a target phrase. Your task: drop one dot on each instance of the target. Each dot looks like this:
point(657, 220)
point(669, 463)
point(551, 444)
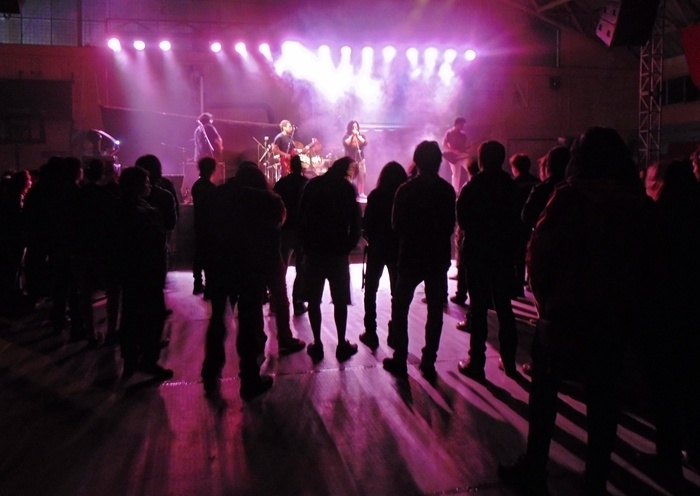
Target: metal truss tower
point(651, 65)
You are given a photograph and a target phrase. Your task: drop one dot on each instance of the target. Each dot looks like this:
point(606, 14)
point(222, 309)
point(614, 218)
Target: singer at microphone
point(354, 143)
point(207, 140)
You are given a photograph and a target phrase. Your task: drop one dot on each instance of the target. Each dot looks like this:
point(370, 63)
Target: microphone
point(267, 138)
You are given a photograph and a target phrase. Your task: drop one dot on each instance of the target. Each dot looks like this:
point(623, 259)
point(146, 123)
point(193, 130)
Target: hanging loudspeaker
point(627, 22)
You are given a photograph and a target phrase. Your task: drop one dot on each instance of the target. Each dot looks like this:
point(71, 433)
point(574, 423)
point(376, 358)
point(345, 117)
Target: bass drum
point(305, 160)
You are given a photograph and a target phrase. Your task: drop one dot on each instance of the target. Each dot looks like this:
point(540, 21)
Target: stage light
point(114, 44)
point(412, 56)
point(241, 49)
point(430, 56)
point(345, 53)
point(389, 53)
point(215, 47)
point(165, 45)
point(264, 48)
point(470, 55)
point(450, 55)
point(139, 45)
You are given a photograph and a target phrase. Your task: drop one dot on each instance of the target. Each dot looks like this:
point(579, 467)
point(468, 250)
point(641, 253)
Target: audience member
point(290, 188)
point(142, 269)
point(585, 261)
point(423, 218)
point(487, 212)
point(237, 257)
point(382, 244)
point(330, 221)
point(524, 182)
point(250, 176)
point(201, 189)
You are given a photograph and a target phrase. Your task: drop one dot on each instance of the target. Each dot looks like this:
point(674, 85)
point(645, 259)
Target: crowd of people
point(611, 256)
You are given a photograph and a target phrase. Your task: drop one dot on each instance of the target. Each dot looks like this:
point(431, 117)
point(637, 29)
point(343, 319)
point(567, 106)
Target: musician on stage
point(354, 143)
point(455, 147)
point(207, 140)
point(283, 145)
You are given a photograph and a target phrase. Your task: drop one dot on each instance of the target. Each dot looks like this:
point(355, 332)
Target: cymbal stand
point(266, 161)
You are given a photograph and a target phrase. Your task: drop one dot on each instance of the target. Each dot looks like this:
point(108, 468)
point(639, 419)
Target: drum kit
point(313, 161)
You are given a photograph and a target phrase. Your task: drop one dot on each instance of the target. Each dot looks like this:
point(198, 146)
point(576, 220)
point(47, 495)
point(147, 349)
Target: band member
point(207, 140)
point(283, 145)
point(354, 143)
point(456, 150)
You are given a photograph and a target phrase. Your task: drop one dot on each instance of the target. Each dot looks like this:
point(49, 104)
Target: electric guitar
point(453, 156)
point(286, 158)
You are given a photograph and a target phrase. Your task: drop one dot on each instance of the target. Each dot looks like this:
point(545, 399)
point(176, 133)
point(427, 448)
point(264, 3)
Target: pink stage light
point(241, 48)
point(215, 47)
point(114, 44)
point(265, 50)
point(470, 55)
point(389, 53)
point(165, 45)
point(139, 45)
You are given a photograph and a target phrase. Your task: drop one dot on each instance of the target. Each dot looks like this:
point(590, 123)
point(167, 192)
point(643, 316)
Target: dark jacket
point(330, 216)
point(424, 220)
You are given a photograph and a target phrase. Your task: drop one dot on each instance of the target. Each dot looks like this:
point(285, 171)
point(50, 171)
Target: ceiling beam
point(551, 5)
point(519, 6)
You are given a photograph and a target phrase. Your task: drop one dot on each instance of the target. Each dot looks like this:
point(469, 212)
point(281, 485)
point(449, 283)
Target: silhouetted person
point(488, 214)
point(12, 239)
point(670, 361)
point(382, 244)
point(423, 218)
point(96, 249)
point(330, 229)
point(552, 172)
point(524, 182)
point(160, 198)
point(201, 189)
point(242, 220)
point(290, 188)
point(250, 176)
point(461, 292)
point(62, 211)
point(142, 268)
point(587, 261)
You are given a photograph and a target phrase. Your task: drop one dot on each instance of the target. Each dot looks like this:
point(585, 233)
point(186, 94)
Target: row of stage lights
point(389, 52)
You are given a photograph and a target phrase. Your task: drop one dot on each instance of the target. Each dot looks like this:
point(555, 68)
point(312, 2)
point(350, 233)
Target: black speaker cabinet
point(627, 22)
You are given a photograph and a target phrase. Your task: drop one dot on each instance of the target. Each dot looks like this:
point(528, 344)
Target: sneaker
point(290, 345)
point(315, 351)
point(463, 326)
point(395, 367)
point(469, 369)
point(251, 388)
point(458, 300)
point(428, 371)
point(157, 371)
point(300, 308)
point(211, 386)
point(198, 289)
point(345, 350)
point(508, 367)
point(370, 340)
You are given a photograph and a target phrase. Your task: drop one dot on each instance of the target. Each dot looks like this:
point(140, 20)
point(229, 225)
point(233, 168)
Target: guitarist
point(207, 140)
point(456, 150)
point(284, 146)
